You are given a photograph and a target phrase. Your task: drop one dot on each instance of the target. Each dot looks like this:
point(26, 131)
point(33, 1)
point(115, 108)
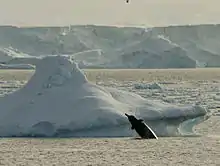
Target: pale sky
point(108, 12)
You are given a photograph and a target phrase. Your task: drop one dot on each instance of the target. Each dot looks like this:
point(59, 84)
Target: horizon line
point(108, 25)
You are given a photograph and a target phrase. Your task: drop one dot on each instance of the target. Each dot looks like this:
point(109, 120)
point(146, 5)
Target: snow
point(59, 100)
point(7, 54)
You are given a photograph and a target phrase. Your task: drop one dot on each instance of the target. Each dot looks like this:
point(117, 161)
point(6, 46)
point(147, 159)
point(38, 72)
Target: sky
point(108, 12)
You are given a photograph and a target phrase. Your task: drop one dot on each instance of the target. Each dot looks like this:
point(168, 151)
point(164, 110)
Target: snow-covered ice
point(58, 100)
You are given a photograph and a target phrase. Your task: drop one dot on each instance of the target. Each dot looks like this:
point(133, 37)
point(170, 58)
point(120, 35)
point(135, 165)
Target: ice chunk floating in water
point(59, 101)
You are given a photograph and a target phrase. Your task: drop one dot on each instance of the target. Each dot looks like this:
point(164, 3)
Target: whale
point(143, 130)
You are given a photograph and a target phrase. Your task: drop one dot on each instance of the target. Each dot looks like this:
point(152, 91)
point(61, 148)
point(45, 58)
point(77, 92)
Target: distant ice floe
point(16, 66)
point(148, 86)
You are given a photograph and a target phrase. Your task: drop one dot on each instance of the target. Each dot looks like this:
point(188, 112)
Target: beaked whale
point(141, 128)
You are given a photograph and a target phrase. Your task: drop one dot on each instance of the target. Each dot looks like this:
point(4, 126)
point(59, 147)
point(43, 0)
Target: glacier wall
point(93, 46)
